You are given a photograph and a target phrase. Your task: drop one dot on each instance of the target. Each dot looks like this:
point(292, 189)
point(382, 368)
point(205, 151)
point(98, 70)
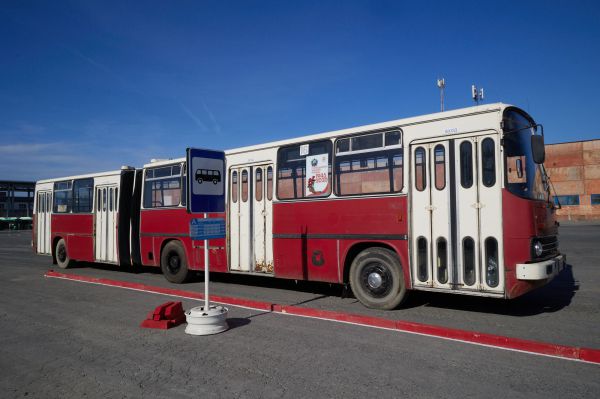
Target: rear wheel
point(173, 263)
point(62, 257)
point(377, 279)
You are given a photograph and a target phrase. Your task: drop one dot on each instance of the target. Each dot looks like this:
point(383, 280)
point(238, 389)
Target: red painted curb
point(541, 348)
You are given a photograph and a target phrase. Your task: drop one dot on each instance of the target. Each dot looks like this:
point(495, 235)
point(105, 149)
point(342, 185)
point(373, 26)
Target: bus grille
point(550, 246)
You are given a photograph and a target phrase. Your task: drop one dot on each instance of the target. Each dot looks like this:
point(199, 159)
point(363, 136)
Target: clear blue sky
point(89, 86)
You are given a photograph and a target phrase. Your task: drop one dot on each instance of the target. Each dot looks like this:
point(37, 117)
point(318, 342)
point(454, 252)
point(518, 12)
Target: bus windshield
point(524, 177)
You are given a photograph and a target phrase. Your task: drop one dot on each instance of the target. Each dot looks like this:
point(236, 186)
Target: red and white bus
point(449, 202)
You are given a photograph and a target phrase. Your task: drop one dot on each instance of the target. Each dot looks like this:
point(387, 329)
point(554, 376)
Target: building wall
point(16, 199)
point(574, 169)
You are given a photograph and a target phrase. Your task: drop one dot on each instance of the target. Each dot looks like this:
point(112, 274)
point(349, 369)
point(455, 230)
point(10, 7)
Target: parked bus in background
point(453, 202)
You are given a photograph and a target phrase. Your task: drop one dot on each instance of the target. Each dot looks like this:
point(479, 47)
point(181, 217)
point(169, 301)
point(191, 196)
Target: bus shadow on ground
point(553, 297)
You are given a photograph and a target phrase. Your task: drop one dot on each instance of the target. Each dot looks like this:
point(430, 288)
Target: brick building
point(574, 169)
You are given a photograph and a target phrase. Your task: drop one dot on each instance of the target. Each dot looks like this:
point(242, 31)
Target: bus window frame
point(182, 185)
point(377, 152)
point(330, 171)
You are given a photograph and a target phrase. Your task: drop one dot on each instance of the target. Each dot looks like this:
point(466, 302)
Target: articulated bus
point(454, 202)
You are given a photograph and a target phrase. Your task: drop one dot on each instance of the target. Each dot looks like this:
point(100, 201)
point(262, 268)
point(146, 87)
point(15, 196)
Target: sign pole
point(206, 194)
point(206, 271)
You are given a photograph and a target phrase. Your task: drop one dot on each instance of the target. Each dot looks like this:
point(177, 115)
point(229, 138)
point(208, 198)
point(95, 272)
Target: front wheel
point(173, 263)
point(377, 279)
point(62, 257)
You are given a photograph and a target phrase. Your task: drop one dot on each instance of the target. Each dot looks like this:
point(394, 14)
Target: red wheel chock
point(167, 315)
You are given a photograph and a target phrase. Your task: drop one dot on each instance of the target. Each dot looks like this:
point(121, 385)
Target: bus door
point(262, 218)
point(456, 215)
point(106, 223)
point(43, 222)
point(251, 218)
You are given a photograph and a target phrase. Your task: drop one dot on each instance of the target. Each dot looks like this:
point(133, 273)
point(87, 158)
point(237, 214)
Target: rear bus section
point(84, 218)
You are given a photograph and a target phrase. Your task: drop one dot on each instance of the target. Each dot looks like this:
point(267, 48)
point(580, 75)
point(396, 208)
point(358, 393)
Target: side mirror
point(538, 149)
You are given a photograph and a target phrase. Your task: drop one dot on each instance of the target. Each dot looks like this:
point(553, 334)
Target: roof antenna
point(477, 95)
point(441, 83)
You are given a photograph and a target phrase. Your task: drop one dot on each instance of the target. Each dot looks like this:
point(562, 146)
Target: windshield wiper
point(549, 184)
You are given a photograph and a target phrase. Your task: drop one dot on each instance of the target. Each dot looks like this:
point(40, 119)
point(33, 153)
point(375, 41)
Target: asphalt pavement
point(64, 339)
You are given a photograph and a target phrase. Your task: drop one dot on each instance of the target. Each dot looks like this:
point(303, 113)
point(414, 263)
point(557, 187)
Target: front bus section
point(530, 228)
point(481, 219)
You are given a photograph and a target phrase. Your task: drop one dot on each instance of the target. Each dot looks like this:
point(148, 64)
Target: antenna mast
point(477, 95)
point(441, 83)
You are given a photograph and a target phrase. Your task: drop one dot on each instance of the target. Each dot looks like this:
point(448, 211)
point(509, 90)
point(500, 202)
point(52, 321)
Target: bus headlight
point(538, 249)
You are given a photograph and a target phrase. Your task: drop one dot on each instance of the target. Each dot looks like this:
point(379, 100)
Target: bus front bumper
point(545, 270)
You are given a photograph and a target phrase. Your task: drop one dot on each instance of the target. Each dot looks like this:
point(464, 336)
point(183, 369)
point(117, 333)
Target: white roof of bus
point(376, 126)
point(99, 174)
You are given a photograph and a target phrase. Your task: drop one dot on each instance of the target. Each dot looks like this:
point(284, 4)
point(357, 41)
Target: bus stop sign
point(205, 180)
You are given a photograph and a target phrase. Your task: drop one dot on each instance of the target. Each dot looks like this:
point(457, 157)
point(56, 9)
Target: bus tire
point(173, 263)
point(62, 257)
point(377, 279)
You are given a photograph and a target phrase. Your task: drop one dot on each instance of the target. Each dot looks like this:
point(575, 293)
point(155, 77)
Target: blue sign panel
point(207, 229)
point(206, 180)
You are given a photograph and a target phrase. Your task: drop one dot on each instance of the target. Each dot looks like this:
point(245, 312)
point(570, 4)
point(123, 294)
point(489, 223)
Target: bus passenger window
point(398, 171)
point(488, 162)
point(244, 185)
point(259, 185)
point(422, 259)
point(184, 185)
point(83, 194)
point(162, 186)
point(294, 180)
point(466, 164)
point(442, 261)
point(364, 165)
point(440, 166)
point(420, 169)
point(469, 261)
point(234, 186)
point(491, 262)
point(270, 183)
point(392, 138)
point(63, 196)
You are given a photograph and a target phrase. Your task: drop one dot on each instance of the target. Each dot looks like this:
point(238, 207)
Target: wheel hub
point(62, 254)
point(375, 280)
point(174, 264)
